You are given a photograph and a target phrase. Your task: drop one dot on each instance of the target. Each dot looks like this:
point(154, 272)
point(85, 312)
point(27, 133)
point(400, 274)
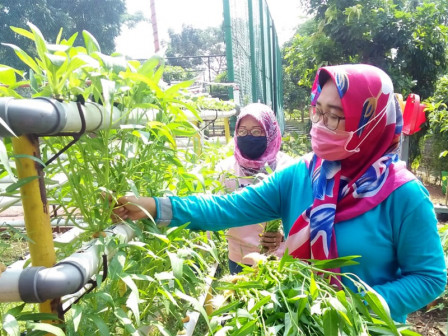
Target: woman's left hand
point(271, 240)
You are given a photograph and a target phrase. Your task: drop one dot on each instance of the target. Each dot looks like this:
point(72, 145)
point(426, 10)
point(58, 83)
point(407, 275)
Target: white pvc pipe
point(55, 222)
point(38, 284)
point(194, 316)
point(45, 116)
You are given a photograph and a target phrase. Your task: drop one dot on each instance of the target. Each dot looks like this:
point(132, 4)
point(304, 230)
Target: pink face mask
point(331, 145)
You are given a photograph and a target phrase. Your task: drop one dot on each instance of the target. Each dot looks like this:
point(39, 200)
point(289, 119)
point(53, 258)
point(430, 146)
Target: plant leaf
point(24, 57)
point(330, 322)
point(10, 325)
point(16, 185)
point(379, 307)
point(90, 42)
point(50, 328)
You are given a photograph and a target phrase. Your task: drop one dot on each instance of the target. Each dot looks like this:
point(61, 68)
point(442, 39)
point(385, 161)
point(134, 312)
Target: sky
point(172, 14)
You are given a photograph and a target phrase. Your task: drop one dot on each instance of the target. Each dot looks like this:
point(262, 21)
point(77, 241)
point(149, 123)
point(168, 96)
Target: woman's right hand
point(133, 208)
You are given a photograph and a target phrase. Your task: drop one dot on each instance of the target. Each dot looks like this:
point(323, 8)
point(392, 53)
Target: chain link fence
point(254, 60)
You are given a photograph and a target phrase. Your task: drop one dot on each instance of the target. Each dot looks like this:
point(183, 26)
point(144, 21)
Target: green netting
point(253, 54)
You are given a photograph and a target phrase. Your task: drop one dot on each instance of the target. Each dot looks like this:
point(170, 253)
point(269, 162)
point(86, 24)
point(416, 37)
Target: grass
point(12, 248)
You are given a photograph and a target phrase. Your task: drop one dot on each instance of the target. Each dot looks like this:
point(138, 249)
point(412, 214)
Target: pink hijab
point(267, 120)
point(348, 188)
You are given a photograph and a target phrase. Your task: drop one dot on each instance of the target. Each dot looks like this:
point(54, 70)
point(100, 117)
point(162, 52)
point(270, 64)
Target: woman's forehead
point(329, 96)
point(249, 121)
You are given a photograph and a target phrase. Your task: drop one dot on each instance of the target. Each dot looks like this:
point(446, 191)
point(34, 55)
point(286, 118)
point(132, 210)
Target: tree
point(191, 47)
point(102, 20)
point(407, 39)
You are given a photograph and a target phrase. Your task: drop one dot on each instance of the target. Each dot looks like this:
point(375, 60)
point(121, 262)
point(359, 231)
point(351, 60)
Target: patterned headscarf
point(267, 120)
point(348, 188)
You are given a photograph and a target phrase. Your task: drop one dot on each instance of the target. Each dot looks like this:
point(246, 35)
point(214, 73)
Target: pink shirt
point(243, 240)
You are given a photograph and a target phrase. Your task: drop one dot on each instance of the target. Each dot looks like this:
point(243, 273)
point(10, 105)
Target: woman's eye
point(333, 116)
point(242, 132)
point(256, 132)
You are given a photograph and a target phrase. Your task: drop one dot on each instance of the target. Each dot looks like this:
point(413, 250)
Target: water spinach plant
point(150, 280)
point(293, 297)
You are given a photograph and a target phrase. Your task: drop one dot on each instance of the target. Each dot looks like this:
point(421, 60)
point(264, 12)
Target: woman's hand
point(271, 240)
point(133, 208)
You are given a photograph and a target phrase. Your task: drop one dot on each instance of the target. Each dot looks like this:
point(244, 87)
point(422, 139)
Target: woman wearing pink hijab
point(351, 196)
point(257, 145)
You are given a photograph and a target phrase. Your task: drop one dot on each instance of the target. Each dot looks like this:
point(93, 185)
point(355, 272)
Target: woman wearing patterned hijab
point(257, 145)
point(351, 196)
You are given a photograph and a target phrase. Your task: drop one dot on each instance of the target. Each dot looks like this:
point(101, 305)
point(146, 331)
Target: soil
point(432, 320)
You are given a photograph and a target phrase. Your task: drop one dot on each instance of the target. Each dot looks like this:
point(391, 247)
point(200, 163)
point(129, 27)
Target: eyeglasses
point(256, 131)
point(331, 120)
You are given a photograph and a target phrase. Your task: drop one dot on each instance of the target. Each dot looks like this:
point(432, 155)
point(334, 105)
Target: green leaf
point(330, 322)
point(53, 48)
point(195, 303)
point(159, 129)
point(70, 41)
point(182, 129)
point(335, 263)
point(16, 310)
point(230, 307)
point(147, 68)
point(10, 325)
point(115, 64)
point(76, 311)
point(302, 305)
point(41, 45)
point(379, 307)
point(23, 32)
point(127, 279)
point(24, 57)
point(4, 159)
point(314, 291)
point(56, 60)
point(36, 316)
point(359, 304)
point(90, 42)
point(247, 329)
point(132, 303)
point(177, 264)
point(31, 157)
point(7, 75)
point(260, 303)
point(102, 327)
point(8, 92)
point(58, 38)
point(407, 332)
point(173, 91)
point(82, 60)
point(14, 186)
point(48, 328)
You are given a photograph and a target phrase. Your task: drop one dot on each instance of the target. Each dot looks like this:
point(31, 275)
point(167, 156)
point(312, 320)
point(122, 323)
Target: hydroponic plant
point(144, 275)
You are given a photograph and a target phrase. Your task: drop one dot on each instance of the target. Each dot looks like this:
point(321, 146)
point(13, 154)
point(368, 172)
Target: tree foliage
point(408, 39)
point(186, 48)
point(101, 18)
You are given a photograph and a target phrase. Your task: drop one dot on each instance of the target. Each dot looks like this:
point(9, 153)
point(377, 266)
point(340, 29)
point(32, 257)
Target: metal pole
point(263, 50)
point(252, 52)
point(36, 210)
point(227, 129)
point(228, 40)
point(155, 31)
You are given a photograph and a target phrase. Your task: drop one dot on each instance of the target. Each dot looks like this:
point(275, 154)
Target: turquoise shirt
point(401, 253)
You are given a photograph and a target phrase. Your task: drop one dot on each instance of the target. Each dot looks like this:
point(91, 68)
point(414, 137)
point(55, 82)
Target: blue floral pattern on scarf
point(323, 179)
